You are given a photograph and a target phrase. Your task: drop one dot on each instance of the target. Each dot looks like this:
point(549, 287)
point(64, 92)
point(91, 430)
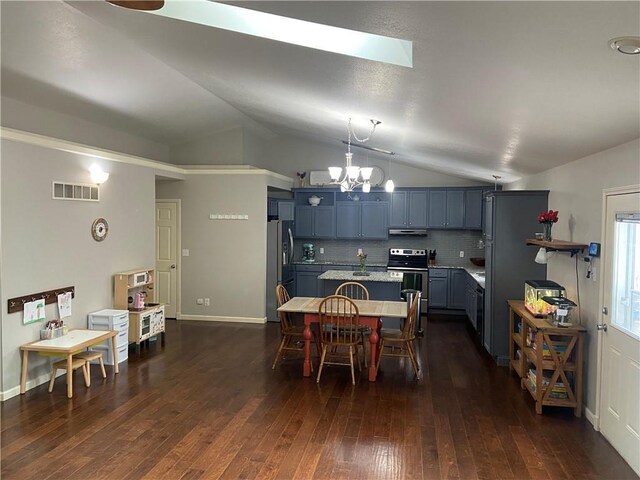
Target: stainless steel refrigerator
point(279, 262)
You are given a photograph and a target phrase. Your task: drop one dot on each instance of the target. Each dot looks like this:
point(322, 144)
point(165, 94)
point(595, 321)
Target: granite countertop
point(478, 273)
point(330, 262)
point(388, 277)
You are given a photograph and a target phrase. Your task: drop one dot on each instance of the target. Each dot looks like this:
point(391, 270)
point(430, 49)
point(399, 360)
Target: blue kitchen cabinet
point(307, 280)
point(438, 288)
point(437, 209)
point(473, 209)
point(314, 222)
point(374, 220)
point(455, 209)
point(398, 210)
point(417, 212)
point(362, 220)
point(348, 219)
point(457, 289)
point(408, 209)
point(285, 210)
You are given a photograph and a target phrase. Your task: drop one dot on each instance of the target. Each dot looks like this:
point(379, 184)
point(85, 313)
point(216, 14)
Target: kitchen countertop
point(388, 277)
point(477, 273)
point(351, 264)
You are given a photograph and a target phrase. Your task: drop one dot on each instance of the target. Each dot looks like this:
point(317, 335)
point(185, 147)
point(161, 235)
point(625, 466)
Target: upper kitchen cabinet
point(281, 208)
point(473, 209)
point(363, 220)
point(455, 209)
point(459, 208)
point(408, 209)
point(315, 221)
point(437, 209)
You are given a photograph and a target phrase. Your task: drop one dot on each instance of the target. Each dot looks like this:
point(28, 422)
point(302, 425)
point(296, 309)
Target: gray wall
point(227, 258)
point(221, 148)
point(47, 243)
point(31, 118)
point(576, 192)
point(448, 244)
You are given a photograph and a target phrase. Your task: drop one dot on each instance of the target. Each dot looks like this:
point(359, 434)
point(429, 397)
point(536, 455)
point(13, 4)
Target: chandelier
point(353, 176)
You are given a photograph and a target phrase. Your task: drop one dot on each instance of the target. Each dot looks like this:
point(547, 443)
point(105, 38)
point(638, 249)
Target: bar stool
point(88, 356)
point(75, 364)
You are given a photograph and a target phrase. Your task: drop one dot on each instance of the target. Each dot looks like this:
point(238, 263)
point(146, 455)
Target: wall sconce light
point(98, 176)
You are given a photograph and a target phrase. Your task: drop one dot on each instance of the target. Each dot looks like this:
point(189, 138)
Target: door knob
point(605, 311)
point(173, 265)
point(602, 326)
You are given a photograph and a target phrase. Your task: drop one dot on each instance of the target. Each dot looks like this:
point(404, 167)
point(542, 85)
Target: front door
point(166, 285)
point(620, 388)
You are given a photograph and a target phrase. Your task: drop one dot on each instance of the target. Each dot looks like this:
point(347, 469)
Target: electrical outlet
point(207, 302)
point(185, 252)
point(199, 301)
point(461, 253)
point(322, 250)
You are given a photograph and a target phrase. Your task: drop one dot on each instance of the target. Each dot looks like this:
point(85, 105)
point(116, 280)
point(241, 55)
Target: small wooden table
point(67, 345)
point(370, 311)
point(563, 361)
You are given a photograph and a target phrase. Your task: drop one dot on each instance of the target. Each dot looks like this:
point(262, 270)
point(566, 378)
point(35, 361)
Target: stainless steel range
point(413, 264)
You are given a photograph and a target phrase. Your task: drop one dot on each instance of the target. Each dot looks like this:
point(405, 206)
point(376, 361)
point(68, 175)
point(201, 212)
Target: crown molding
point(110, 155)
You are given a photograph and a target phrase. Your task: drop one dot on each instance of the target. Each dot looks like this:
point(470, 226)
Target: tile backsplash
point(447, 243)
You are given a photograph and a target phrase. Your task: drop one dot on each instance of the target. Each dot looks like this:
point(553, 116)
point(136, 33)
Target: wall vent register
point(75, 191)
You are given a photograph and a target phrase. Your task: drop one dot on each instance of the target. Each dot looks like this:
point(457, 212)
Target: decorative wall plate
point(99, 229)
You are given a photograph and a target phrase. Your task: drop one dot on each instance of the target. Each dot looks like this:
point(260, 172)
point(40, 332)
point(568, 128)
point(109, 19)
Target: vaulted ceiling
point(511, 88)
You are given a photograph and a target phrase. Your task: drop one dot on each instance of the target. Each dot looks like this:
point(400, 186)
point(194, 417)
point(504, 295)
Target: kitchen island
point(381, 285)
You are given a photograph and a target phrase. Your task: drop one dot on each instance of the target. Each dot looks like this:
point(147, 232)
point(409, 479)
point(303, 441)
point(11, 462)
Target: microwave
point(138, 279)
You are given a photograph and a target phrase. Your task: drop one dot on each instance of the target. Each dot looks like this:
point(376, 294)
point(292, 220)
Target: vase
point(546, 232)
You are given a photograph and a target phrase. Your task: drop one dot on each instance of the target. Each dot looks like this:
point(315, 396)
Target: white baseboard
point(33, 383)
point(214, 318)
point(592, 417)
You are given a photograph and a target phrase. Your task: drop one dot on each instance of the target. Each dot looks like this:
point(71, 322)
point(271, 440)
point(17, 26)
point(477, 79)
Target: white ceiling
point(508, 87)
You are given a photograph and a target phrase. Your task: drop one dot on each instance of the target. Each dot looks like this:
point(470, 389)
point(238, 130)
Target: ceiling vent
point(76, 191)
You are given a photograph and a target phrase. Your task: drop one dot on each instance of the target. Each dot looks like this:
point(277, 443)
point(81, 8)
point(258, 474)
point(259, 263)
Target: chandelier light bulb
point(389, 186)
point(366, 187)
point(366, 173)
point(335, 173)
point(353, 172)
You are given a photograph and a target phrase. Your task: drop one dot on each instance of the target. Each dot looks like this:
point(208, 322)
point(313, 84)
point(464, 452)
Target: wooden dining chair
point(290, 334)
point(339, 320)
point(400, 342)
point(357, 291)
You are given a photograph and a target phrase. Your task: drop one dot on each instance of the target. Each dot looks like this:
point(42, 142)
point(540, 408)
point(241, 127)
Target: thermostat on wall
point(594, 249)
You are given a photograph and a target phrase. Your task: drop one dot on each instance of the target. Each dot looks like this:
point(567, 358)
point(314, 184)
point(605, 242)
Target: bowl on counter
point(477, 261)
point(314, 200)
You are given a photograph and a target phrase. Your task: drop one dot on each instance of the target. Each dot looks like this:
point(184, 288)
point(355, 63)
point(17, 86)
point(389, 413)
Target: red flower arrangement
point(548, 217)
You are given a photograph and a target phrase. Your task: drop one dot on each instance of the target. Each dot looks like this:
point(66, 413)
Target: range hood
point(415, 232)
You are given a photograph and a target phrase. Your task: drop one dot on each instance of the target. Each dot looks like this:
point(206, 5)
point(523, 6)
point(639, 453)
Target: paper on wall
point(64, 304)
point(34, 311)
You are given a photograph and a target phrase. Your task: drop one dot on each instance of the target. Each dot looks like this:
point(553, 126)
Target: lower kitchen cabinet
point(457, 289)
point(438, 287)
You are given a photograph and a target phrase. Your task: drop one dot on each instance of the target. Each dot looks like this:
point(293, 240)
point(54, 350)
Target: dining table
point(370, 313)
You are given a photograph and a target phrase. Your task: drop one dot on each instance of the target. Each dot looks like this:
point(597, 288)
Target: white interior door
point(620, 388)
point(166, 283)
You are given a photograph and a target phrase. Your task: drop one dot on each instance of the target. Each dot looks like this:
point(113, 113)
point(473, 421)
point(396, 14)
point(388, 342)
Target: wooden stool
point(88, 356)
point(75, 364)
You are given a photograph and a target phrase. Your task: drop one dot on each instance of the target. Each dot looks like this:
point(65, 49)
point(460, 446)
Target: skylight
point(289, 30)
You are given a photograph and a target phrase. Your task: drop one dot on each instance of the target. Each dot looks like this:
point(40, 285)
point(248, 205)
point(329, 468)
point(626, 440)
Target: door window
point(626, 274)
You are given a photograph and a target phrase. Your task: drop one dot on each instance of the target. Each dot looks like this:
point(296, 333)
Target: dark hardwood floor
point(208, 405)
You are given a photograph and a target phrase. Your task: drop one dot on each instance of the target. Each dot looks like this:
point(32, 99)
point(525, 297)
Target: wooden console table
point(529, 338)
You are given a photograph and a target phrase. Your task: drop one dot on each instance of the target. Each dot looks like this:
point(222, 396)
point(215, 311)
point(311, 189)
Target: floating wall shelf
point(559, 246)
